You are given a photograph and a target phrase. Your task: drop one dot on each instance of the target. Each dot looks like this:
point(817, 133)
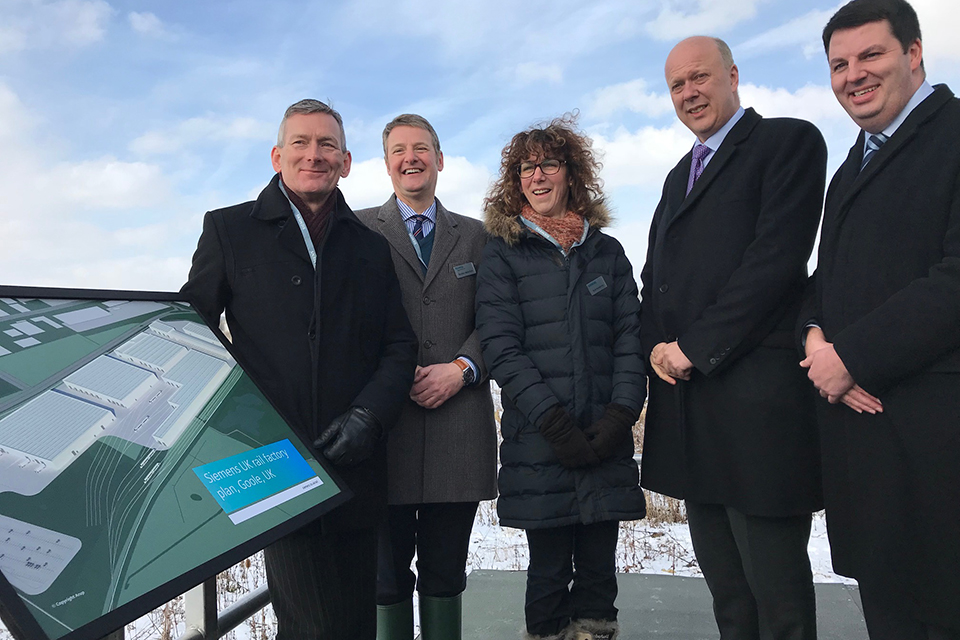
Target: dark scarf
point(316, 222)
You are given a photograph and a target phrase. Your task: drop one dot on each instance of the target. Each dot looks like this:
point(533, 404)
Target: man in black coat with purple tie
point(730, 424)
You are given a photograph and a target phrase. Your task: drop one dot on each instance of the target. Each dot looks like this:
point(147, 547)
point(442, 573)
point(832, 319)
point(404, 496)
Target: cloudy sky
point(122, 121)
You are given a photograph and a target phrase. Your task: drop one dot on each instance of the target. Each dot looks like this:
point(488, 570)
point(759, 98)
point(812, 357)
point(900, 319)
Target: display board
point(137, 459)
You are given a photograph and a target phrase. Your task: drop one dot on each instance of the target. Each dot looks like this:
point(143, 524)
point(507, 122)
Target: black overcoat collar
point(273, 206)
point(681, 173)
point(852, 180)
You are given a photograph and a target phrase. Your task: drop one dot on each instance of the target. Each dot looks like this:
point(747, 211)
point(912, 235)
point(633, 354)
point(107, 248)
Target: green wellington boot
point(440, 618)
point(395, 621)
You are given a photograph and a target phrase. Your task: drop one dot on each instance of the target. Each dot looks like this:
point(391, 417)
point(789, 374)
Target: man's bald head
point(703, 81)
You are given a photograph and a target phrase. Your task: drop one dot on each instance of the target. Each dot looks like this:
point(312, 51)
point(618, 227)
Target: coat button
point(296, 280)
point(312, 334)
point(282, 223)
point(426, 300)
point(664, 288)
point(713, 361)
point(427, 344)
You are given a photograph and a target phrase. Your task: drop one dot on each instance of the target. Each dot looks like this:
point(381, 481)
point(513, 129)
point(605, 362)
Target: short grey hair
point(410, 120)
point(726, 55)
point(306, 107)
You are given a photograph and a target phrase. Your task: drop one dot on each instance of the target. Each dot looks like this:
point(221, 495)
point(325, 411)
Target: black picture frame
point(23, 625)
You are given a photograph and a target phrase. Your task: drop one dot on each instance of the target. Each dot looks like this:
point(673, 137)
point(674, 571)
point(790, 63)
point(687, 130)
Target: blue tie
point(874, 142)
point(418, 226)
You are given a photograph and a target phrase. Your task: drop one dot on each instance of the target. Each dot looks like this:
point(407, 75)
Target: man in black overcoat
point(882, 328)
point(730, 424)
point(314, 309)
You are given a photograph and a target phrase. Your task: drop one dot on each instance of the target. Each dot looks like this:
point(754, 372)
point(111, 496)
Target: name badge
point(596, 286)
point(464, 270)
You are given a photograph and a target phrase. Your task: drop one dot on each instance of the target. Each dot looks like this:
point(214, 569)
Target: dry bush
point(664, 509)
point(660, 509)
point(638, 431)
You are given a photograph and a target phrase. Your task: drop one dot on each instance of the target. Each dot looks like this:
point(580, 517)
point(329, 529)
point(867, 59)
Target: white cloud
point(35, 24)
point(147, 23)
point(108, 183)
point(803, 31)
point(147, 273)
point(12, 39)
point(938, 23)
point(812, 102)
point(59, 223)
point(534, 72)
point(81, 22)
point(634, 95)
point(14, 116)
point(644, 157)
point(457, 26)
point(460, 186)
point(503, 31)
point(679, 19)
point(72, 252)
point(198, 130)
point(368, 184)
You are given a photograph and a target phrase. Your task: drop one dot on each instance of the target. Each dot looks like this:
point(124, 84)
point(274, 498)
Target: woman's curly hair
point(559, 140)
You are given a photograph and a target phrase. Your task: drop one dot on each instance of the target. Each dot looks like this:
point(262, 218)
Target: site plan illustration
point(133, 449)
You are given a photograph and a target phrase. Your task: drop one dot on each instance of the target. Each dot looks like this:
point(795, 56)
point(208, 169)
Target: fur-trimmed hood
point(508, 227)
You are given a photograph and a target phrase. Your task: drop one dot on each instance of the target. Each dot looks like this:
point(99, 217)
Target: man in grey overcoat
point(442, 453)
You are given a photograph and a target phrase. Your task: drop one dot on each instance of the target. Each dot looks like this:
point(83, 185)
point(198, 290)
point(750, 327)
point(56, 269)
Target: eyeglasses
point(548, 167)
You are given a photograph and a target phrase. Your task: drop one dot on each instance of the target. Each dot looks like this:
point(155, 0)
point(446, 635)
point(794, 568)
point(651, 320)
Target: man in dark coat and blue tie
point(441, 457)
point(730, 424)
point(882, 328)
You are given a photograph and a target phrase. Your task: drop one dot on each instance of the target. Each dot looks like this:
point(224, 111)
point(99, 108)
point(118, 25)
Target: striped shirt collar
point(406, 212)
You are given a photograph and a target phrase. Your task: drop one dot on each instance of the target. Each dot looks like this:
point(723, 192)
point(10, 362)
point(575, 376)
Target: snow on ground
point(663, 548)
point(659, 545)
point(644, 547)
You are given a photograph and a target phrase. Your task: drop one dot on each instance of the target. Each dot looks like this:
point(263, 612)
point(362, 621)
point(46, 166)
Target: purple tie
point(700, 151)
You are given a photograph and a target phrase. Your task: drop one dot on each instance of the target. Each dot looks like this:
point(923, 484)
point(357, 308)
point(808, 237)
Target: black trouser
point(582, 553)
point(439, 533)
point(323, 584)
point(887, 611)
point(758, 571)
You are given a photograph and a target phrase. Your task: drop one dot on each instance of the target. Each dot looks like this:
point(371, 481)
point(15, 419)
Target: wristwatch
point(466, 370)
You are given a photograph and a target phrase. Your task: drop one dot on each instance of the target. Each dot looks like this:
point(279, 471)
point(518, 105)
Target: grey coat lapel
point(390, 224)
point(445, 239)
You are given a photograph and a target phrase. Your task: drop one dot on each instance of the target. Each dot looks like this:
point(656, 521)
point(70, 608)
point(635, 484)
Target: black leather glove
point(612, 433)
point(566, 439)
point(350, 438)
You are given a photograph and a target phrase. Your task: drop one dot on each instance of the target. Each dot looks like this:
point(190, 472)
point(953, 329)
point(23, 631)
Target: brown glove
point(567, 440)
point(612, 432)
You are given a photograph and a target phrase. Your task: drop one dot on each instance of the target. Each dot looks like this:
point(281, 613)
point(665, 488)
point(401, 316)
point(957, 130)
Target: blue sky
point(122, 121)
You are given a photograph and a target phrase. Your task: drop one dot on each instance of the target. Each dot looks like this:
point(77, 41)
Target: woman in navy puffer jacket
point(558, 317)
